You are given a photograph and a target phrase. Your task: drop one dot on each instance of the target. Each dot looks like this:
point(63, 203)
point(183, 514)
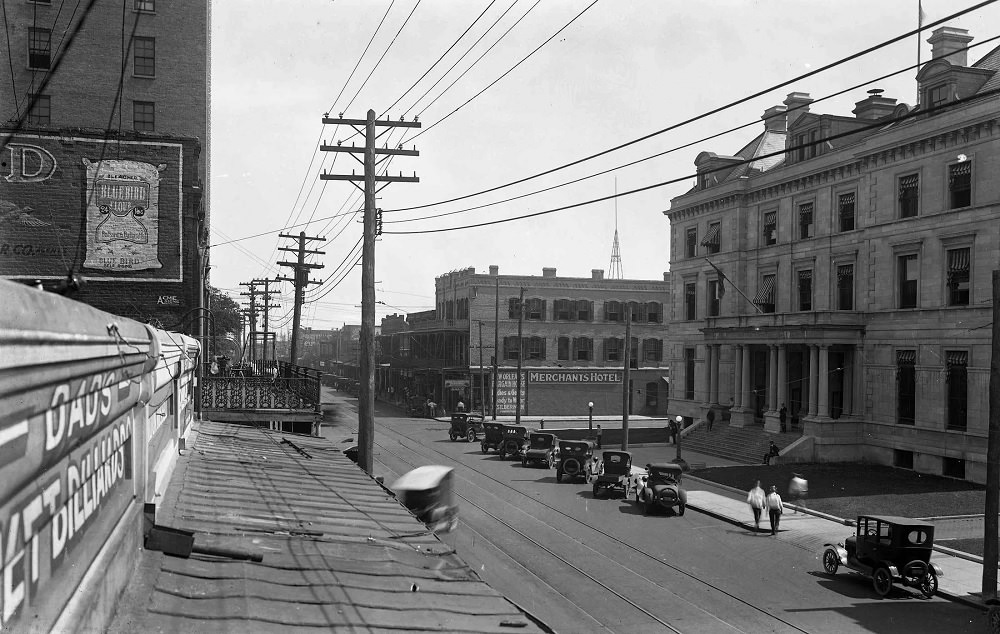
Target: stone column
point(823, 401)
point(772, 378)
point(813, 380)
point(849, 382)
point(738, 379)
point(713, 384)
point(706, 385)
point(782, 397)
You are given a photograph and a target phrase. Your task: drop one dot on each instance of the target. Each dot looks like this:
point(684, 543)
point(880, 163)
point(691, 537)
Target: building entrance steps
point(746, 445)
point(962, 579)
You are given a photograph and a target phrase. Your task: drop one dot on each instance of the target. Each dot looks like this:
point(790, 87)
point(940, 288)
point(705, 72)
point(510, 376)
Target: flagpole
point(719, 271)
point(920, 26)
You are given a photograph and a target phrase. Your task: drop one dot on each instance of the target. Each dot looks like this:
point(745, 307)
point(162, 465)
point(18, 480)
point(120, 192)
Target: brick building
point(573, 334)
point(160, 118)
point(853, 273)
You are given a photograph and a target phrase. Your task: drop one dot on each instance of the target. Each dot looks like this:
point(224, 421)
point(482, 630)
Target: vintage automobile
point(465, 425)
point(887, 549)
point(515, 437)
point(576, 460)
point(541, 448)
point(614, 473)
point(660, 487)
point(429, 493)
point(492, 437)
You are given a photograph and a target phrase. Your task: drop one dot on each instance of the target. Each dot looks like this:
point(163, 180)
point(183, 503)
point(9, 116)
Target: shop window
point(957, 378)
point(845, 287)
point(906, 386)
point(960, 184)
point(845, 211)
point(909, 195)
point(958, 276)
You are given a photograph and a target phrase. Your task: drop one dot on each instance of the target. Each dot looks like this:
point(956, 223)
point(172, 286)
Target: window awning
point(765, 294)
point(957, 357)
point(958, 261)
point(906, 357)
point(961, 169)
point(846, 270)
point(770, 218)
point(712, 238)
point(806, 274)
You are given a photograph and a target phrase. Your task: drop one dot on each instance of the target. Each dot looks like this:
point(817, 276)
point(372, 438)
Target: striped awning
point(770, 218)
point(958, 260)
point(845, 270)
point(712, 238)
point(957, 357)
point(960, 169)
point(765, 294)
point(806, 274)
point(908, 182)
point(906, 357)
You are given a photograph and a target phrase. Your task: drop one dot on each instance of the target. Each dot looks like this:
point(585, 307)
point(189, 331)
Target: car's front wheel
point(831, 561)
point(472, 435)
point(929, 584)
point(882, 581)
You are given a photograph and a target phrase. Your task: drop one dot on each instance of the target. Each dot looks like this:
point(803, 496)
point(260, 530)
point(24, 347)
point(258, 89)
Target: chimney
point(875, 106)
point(774, 119)
point(797, 104)
point(666, 276)
point(494, 270)
point(548, 272)
point(597, 274)
point(950, 43)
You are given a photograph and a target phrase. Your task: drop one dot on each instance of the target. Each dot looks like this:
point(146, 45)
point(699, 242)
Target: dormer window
point(706, 181)
point(938, 95)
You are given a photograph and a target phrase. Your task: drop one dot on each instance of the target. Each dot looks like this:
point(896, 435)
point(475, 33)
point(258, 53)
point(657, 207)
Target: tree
point(226, 316)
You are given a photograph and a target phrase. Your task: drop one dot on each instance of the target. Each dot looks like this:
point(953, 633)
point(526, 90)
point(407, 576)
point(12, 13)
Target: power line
point(728, 166)
point(679, 147)
point(705, 114)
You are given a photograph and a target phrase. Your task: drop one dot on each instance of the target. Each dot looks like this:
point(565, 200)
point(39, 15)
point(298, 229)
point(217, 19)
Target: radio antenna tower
point(615, 270)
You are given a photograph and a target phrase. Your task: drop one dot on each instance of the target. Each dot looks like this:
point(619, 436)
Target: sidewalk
point(962, 579)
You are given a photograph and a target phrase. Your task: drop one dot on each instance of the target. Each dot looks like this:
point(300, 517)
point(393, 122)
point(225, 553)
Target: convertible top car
point(576, 460)
point(661, 487)
point(429, 493)
point(542, 449)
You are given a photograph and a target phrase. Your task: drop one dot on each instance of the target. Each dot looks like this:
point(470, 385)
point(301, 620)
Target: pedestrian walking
point(774, 509)
point(798, 488)
point(710, 417)
point(756, 498)
point(782, 416)
point(599, 436)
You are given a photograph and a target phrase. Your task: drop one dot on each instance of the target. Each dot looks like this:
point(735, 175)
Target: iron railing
point(260, 385)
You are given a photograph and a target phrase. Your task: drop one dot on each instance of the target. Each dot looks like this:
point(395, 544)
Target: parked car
point(887, 549)
point(660, 487)
point(614, 473)
point(492, 437)
point(576, 460)
point(542, 448)
point(429, 493)
point(515, 439)
point(465, 425)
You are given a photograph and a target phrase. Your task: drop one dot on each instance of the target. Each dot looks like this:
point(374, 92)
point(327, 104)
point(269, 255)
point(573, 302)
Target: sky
point(620, 70)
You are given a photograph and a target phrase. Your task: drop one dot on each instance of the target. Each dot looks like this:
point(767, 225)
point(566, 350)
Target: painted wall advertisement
point(507, 392)
point(65, 205)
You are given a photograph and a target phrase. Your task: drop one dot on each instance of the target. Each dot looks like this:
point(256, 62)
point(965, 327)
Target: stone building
point(840, 267)
point(572, 333)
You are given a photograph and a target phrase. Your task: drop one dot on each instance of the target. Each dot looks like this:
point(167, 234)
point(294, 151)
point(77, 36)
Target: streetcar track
point(676, 569)
point(555, 555)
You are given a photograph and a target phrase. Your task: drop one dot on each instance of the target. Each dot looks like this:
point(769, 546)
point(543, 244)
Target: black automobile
point(492, 437)
point(515, 437)
point(661, 488)
point(888, 548)
point(542, 449)
point(614, 473)
point(576, 460)
point(464, 425)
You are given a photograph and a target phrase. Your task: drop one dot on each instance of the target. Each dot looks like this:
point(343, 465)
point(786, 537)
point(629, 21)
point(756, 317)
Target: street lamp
point(590, 420)
point(677, 439)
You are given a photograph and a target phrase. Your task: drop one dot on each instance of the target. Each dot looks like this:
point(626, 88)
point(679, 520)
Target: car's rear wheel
point(928, 584)
point(482, 446)
point(472, 435)
point(831, 561)
point(882, 581)
point(571, 466)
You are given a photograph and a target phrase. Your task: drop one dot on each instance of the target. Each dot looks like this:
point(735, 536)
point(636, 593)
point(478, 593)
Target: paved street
point(600, 565)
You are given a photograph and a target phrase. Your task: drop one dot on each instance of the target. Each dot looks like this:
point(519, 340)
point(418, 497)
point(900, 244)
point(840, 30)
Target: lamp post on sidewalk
point(590, 420)
point(680, 428)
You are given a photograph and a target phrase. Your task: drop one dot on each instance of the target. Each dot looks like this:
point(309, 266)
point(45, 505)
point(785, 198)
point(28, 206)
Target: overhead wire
point(679, 147)
point(703, 115)
point(728, 166)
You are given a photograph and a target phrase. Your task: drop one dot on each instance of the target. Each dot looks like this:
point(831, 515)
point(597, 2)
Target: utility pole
point(253, 316)
point(520, 353)
point(266, 294)
point(372, 228)
point(482, 375)
point(496, 347)
point(300, 281)
point(990, 521)
point(625, 375)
